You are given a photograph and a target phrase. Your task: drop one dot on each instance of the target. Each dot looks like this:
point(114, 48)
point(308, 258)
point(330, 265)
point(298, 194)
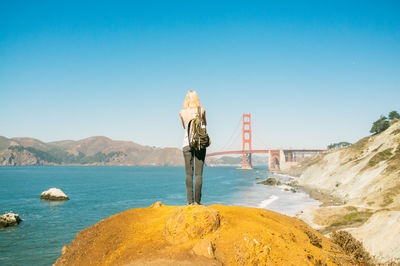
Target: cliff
point(90, 151)
point(364, 178)
point(365, 173)
point(214, 235)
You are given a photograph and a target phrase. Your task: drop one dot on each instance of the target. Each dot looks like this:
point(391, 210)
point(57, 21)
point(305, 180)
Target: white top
point(187, 115)
point(56, 192)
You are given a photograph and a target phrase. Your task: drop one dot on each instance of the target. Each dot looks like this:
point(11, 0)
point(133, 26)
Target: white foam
point(268, 201)
point(286, 176)
point(283, 187)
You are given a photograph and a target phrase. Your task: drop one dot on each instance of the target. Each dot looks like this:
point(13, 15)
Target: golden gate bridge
point(278, 158)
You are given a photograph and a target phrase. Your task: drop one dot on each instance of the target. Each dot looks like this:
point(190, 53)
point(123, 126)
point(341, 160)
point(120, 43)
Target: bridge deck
point(263, 151)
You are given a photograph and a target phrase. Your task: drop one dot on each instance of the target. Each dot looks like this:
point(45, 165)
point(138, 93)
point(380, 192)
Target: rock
point(270, 181)
point(9, 219)
point(204, 248)
point(380, 236)
point(258, 177)
point(64, 250)
point(293, 183)
point(217, 235)
point(53, 194)
point(156, 205)
point(294, 190)
point(190, 222)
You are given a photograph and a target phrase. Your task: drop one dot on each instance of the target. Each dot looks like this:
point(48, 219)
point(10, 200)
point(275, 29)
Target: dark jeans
point(198, 157)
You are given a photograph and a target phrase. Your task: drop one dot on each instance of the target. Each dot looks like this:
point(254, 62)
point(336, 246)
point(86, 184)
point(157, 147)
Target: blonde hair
point(191, 100)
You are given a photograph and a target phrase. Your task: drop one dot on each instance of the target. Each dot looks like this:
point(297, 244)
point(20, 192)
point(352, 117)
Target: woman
point(191, 107)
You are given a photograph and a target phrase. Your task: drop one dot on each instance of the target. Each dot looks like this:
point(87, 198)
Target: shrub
point(380, 156)
point(379, 125)
point(352, 247)
point(394, 115)
point(338, 145)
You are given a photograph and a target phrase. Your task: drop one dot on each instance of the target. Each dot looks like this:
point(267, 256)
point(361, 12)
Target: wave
point(267, 202)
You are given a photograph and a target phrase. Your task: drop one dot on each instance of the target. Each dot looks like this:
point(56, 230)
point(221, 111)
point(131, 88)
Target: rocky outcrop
point(270, 181)
point(364, 179)
point(18, 158)
point(190, 222)
point(53, 194)
point(365, 173)
point(9, 219)
point(380, 235)
point(199, 235)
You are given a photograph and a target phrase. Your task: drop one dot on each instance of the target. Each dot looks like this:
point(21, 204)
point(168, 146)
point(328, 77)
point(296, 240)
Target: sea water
point(98, 192)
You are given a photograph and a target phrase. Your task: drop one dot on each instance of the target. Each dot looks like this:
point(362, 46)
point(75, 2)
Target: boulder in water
point(270, 181)
point(53, 194)
point(9, 219)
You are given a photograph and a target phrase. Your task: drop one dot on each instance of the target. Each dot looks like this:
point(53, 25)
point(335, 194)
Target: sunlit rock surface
point(53, 194)
point(9, 219)
point(200, 235)
point(190, 222)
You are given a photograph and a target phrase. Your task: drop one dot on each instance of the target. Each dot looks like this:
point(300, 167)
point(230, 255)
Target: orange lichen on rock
point(213, 235)
point(190, 222)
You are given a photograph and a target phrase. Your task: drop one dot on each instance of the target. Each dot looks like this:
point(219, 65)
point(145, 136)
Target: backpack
point(197, 133)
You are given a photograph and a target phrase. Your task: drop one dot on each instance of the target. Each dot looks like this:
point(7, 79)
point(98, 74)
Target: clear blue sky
point(310, 73)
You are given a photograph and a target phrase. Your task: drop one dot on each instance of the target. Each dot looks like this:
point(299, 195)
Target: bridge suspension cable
point(235, 135)
point(257, 140)
point(276, 156)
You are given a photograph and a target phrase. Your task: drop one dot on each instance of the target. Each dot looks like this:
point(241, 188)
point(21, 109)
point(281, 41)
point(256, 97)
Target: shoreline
point(335, 215)
point(326, 199)
point(286, 197)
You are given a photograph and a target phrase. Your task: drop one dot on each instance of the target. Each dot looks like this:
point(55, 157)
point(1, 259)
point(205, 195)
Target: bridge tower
point(246, 135)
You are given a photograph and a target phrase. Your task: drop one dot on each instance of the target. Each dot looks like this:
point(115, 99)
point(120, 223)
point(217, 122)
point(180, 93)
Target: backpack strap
point(201, 118)
point(189, 125)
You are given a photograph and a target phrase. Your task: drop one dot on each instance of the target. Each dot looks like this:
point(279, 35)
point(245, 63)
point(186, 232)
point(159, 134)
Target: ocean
point(97, 192)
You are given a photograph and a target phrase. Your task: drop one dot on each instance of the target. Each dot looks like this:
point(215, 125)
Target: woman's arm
point(204, 117)
point(183, 123)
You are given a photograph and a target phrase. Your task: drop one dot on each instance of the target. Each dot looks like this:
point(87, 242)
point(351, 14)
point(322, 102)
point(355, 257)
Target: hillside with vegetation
point(235, 161)
point(364, 181)
point(89, 151)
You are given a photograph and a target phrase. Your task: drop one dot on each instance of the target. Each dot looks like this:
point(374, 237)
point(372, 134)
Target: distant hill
point(90, 151)
point(235, 161)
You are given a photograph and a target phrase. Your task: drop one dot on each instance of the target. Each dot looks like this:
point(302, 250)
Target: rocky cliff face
point(366, 174)
point(365, 177)
point(90, 151)
point(199, 235)
point(13, 158)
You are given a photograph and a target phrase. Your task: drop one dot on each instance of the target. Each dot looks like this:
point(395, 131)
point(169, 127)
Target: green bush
point(338, 145)
point(383, 122)
point(380, 156)
point(380, 125)
point(394, 115)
